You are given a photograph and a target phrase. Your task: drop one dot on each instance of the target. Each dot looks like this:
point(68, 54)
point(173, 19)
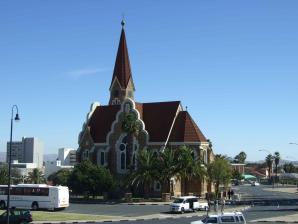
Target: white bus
point(35, 196)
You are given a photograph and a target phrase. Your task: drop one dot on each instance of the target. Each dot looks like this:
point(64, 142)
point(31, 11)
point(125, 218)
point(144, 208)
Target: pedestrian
point(216, 205)
point(229, 194)
point(209, 206)
point(222, 204)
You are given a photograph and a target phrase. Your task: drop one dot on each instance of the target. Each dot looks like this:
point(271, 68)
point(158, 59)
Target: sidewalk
point(290, 190)
point(282, 219)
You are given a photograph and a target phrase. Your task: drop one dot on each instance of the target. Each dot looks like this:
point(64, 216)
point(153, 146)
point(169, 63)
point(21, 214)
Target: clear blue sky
point(233, 63)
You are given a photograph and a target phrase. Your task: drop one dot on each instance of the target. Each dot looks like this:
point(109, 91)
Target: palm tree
point(241, 157)
point(130, 125)
point(36, 176)
point(269, 161)
point(167, 168)
point(188, 167)
point(276, 161)
point(147, 171)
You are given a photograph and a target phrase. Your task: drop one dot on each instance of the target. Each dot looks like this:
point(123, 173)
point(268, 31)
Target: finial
point(186, 108)
point(122, 21)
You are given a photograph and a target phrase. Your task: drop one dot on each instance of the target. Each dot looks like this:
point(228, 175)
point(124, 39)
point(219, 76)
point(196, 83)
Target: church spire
point(122, 84)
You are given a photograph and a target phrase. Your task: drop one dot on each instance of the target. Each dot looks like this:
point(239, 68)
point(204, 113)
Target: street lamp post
point(17, 118)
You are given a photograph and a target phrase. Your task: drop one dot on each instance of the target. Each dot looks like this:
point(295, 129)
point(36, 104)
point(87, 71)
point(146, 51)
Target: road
point(256, 212)
point(263, 195)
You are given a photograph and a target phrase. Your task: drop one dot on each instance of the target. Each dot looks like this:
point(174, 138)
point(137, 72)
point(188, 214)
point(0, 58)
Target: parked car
point(255, 183)
point(227, 217)
point(188, 203)
point(16, 216)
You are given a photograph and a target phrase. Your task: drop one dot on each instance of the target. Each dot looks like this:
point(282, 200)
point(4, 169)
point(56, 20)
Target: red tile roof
point(186, 130)
point(101, 121)
point(122, 68)
point(158, 118)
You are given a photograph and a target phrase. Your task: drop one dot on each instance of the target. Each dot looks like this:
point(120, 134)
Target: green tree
point(131, 126)
point(289, 168)
point(3, 174)
point(35, 177)
point(61, 177)
point(167, 168)
point(269, 161)
point(147, 171)
point(276, 162)
point(188, 167)
point(90, 179)
point(219, 172)
point(240, 158)
point(236, 175)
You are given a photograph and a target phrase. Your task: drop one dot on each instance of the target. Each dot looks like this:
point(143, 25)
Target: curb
point(147, 203)
point(278, 221)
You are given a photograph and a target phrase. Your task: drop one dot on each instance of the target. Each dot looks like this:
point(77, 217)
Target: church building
point(162, 124)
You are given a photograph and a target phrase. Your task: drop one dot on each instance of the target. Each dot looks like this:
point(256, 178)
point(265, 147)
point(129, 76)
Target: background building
point(67, 156)
point(66, 159)
point(29, 150)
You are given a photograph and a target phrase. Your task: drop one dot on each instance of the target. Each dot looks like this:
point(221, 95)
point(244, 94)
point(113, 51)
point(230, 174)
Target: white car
point(255, 183)
point(188, 203)
point(227, 217)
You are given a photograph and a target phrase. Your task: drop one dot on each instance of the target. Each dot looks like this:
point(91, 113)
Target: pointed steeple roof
point(122, 69)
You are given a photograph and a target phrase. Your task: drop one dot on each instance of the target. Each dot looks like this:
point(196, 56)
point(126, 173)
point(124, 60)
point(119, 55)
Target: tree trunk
point(146, 190)
point(165, 186)
point(216, 189)
point(276, 173)
point(185, 186)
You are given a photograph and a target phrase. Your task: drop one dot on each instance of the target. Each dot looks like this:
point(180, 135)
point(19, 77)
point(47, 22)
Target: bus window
point(44, 191)
point(17, 191)
point(3, 190)
point(27, 191)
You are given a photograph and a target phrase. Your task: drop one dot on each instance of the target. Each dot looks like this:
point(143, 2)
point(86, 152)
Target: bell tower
point(122, 85)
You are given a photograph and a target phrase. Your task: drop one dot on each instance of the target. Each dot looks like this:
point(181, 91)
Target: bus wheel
point(34, 206)
point(2, 205)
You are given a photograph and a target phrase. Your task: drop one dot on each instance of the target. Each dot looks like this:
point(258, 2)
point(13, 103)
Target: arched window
point(85, 154)
point(193, 154)
point(122, 160)
point(205, 157)
point(102, 158)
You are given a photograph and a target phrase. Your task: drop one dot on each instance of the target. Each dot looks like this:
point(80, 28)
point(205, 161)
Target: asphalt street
point(117, 209)
point(259, 192)
point(248, 192)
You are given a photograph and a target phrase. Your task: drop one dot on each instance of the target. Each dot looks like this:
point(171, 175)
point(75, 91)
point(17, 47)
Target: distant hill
point(49, 157)
point(46, 157)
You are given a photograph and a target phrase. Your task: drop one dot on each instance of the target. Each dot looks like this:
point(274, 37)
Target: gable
point(186, 130)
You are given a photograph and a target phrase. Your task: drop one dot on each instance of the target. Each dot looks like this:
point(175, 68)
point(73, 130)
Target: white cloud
point(76, 74)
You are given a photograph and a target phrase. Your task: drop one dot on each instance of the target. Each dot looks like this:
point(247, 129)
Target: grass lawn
point(63, 216)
